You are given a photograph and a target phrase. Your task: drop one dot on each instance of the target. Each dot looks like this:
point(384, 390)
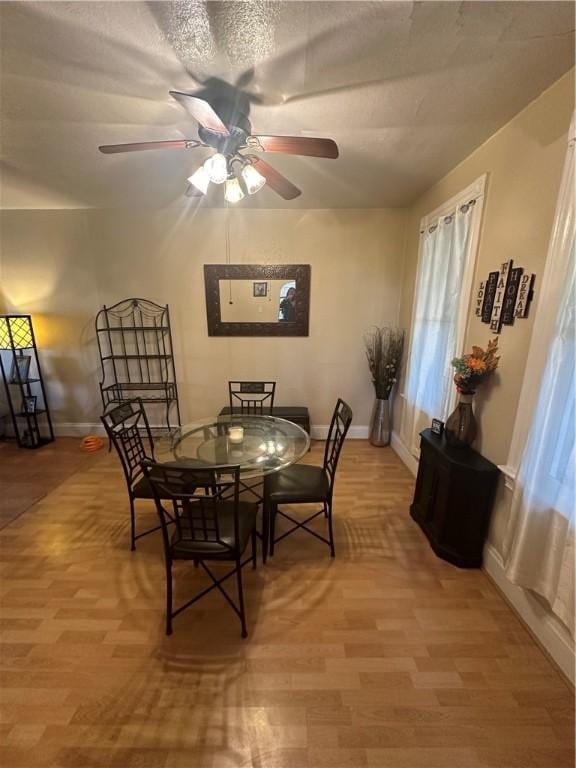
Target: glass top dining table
point(259, 445)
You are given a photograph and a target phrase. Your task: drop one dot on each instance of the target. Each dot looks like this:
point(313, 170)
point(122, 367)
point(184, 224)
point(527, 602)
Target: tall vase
point(381, 422)
point(461, 426)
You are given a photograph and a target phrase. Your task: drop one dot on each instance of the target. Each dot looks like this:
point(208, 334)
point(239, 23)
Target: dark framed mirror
point(257, 299)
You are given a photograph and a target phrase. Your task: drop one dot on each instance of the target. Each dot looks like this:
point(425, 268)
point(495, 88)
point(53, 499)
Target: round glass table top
point(259, 445)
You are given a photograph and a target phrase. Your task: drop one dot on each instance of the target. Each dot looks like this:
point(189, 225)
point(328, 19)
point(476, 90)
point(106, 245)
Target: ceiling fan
point(226, 129)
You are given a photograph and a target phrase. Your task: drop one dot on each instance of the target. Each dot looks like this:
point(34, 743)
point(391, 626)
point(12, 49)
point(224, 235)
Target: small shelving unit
point(23, 382)
point(137, 357)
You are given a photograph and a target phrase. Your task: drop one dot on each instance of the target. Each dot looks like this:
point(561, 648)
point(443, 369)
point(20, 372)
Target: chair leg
point(169, 597)
point(254, 548)
point(272, 512)
point(330, 530)
point(241, 597)
point(132, 526)
point(265, 530)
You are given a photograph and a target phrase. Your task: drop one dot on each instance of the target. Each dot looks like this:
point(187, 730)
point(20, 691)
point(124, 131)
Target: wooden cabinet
point(453, 499)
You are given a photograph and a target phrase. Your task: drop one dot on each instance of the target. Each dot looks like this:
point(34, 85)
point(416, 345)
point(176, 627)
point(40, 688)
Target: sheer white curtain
point(539, 546)
point(436, 336)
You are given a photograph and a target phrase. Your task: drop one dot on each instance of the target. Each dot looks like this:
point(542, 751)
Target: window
point(557, 398)
point(545, 433)
point(448, 243)
point(538, 547)
point(546, 475)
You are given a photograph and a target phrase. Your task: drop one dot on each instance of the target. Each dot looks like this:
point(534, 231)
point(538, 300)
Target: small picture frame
point(437, 426)
point(20, 365)
point(260, 290)
point(29, 404)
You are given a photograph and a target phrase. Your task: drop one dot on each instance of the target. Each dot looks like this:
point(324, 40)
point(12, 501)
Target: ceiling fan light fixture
point(200, 179)
point(253, 180)
point(233, 191)
point(217, 168)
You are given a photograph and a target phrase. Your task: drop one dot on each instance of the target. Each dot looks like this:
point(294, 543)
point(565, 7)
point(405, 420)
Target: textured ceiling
point(406, 89)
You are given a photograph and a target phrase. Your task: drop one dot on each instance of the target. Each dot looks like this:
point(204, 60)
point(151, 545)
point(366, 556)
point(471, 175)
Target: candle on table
point(236, 434)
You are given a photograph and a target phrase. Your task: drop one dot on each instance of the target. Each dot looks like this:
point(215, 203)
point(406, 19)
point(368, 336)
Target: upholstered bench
point(297, 414)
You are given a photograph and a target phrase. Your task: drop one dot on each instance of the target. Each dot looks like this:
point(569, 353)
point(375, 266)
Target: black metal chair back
point(339, 426)
point(304, 484)
point(124, 426)
point(255, 397)
point(207, 510)
point(197, 495)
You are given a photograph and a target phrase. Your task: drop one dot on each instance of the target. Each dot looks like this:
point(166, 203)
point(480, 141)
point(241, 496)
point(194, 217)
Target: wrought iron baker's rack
point(137, 356)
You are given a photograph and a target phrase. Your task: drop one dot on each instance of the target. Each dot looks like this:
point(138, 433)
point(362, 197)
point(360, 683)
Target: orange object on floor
point(91, 443)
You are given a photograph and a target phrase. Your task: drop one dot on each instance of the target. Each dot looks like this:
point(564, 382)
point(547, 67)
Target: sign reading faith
point(501, 285)
point(504, 296)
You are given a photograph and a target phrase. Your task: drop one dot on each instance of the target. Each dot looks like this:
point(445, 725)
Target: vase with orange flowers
point(471, 370)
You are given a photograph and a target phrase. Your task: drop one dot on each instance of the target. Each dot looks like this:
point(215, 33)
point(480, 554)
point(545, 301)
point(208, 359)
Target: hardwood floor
point(385, 657)
point(25, 480)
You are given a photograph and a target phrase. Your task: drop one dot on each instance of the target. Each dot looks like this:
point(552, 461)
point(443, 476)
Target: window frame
point(529, 392)
point(475, 191)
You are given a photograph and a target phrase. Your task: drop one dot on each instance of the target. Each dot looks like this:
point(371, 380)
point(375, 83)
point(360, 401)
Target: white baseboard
point(547, 629)
point(77, 429)
point(400, 448)
point(81, 429)
point(320, 432)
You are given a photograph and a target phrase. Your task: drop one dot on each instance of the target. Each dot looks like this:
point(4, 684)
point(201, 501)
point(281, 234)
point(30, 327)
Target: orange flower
point(475, 364)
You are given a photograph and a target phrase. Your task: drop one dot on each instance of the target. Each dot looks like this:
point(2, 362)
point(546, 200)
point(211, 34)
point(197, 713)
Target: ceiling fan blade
point(192, 191)
point(275, 180)
point(201, 111)
point(111, 149)
point(295, 145)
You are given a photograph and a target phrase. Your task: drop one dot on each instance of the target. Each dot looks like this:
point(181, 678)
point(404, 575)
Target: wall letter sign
point(505, 296)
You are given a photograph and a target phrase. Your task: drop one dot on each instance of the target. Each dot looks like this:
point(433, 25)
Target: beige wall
point(63, 265)
point(47, 270)
point(524, 163)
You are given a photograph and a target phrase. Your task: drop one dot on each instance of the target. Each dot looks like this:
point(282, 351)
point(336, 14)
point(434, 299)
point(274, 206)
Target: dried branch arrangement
point(384, 348)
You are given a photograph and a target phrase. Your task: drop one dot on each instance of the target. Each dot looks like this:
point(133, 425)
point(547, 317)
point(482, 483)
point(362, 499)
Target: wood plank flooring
point(24, 481)
point(385, 657)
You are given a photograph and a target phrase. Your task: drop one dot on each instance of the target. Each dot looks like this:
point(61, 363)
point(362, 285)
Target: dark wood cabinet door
point(453, 500)
point(425, 490)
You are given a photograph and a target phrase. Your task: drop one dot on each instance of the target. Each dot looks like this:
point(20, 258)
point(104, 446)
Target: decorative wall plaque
point(504, 296)
point(488, 299)
point(511, 296)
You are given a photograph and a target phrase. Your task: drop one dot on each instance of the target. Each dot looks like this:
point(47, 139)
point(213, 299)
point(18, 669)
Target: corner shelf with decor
point(137, 357)
point(23, 382)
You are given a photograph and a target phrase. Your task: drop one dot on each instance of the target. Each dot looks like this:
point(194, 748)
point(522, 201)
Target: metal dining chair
point(251, 397)
point(125, 426)
point(211, 525)
point(254, 398)
point(305, 484)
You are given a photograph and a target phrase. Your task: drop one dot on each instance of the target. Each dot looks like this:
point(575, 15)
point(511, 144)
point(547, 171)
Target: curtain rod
point(448, 219)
